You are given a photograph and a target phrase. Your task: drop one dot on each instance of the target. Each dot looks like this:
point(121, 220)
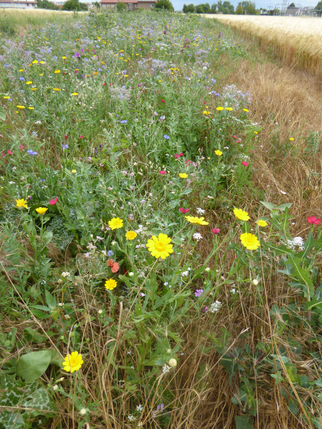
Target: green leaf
point(2, 114)
point(50, 300)
point(278, 377)
point(244, 422)
point(33, 365)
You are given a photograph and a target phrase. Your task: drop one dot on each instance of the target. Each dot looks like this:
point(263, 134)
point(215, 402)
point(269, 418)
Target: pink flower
point(21, 147)
point(237, 141)
point(53, 201)
point(163, 101)
point(215, 231)
point(181, 154)
point(235, 137)
point(176, 156)
point(162, 172)
point(313, 220)
point(81, 137)
point(184, 210)
point(9, 152)
point(66, 137)
point(251, 151)
point(187, 161)
point(245, 163)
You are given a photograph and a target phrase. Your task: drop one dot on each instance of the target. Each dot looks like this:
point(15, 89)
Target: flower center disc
point(160, 247)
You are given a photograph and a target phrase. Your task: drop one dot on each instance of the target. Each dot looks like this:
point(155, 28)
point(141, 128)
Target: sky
point(265, 4)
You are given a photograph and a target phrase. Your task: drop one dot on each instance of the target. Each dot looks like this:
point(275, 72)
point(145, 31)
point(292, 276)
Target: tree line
point(243, 8)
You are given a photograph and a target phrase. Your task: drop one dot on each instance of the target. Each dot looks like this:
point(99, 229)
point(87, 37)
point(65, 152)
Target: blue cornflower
point(110, 253)
point(21, 78)
point(124, 121)
point(31, 152)
point(64, 146)
point(166, 137)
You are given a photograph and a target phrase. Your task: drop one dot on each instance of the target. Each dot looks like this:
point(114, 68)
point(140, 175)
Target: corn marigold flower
point(115, 223)
point(160, 246)
point(41, 210)
point(261, 222)
point(130, 235)
point(110, 284)
point(219, 108)
point(73, 362)
point(183, 175)
point(197, 220)
point(218, 152)
point(250, 241)
point(313, 220)
point(241, 215)
point(21, 203)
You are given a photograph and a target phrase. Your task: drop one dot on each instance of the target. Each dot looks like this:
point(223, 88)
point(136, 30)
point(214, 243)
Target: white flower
point(200, 211)
point(83, 411)
point(297, 241)
point(233, 291)
point(207, 269)
point(184, 273)
point(282, 192)
point(165, 368)
point(215, 306)
point(100, 311)
point(55, 387)
point(131, 274)
point(130, 417)
point(67, 316)
point(140, 424)
point(139, 408)
point(255, 282)
point(197, 236)
point(65, 274)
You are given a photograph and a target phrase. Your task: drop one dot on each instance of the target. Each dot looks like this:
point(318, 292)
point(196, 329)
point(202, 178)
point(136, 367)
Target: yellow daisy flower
point(241, 215)
point(110, 284)
point(130, 235)
point(115, 223)
point(73, 362)
point(197, 220)
point(250, 241)
point(160, 246)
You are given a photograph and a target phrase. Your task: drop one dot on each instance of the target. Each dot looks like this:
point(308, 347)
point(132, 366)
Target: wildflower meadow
point(146, 281)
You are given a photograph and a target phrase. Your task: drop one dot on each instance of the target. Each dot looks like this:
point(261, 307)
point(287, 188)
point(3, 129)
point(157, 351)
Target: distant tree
point(163, 4)
point(239, 9)
point(206, 8)
point(74, 5)
point(120, 6)
point(226, 4)
point(291, 5)
point(185, 8)
point(96, 4)
point(191, 8)
point(318, 8)
point(250, 8)
point(45, 4)
point(200, 8)
point(213, 8)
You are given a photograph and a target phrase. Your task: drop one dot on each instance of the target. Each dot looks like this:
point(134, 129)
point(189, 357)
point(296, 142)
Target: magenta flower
point(215, 231)
point(237, 141)
point(181, 154)
point(21, 147)
point(184, 210)
point(81, 137)
point(313, 220)
point(245, 163)
point(162, 172)
point(235, 137)
point(176, 156)
point(53, 201)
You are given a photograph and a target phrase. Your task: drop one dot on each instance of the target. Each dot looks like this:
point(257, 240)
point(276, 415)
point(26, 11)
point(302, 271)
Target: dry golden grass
point(297, 40)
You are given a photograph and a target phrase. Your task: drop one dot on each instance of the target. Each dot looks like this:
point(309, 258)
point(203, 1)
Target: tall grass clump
point(146, 281)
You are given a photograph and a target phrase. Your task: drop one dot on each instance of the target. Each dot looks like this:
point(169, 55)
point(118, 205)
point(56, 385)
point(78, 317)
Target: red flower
point(115, 267)
point(313, 220)
point(110, 262)
point(53, 201)
point(215, 230)
point(245, 163)
point(66, 136)
point(176, 156)
point(237, 141)
point(184, 210)
point(81, 137)
point(162, 172)
point(163, 101)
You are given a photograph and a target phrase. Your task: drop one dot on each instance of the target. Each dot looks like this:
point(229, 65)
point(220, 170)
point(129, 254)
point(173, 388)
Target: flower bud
point(173, 363)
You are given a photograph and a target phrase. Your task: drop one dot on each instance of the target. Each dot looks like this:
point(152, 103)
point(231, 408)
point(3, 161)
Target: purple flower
point(198, 292)
point(64, 146)
point(31, 152)
point(166, 137)
point(124, 121)
point(110, 253)
point(77, 55)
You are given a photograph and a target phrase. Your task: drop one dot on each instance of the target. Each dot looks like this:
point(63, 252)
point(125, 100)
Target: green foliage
point(121, 7)
point(164, 5)
point(188, 9)
point(74, 5)
point(45, 4)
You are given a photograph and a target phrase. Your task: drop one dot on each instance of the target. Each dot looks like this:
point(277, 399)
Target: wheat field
point(297, 40)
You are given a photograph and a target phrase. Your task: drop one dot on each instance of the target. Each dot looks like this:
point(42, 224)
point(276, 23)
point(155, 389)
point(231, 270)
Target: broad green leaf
point(244, 422)
point(33, 365)
point(278, 377)
point(50, 300)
